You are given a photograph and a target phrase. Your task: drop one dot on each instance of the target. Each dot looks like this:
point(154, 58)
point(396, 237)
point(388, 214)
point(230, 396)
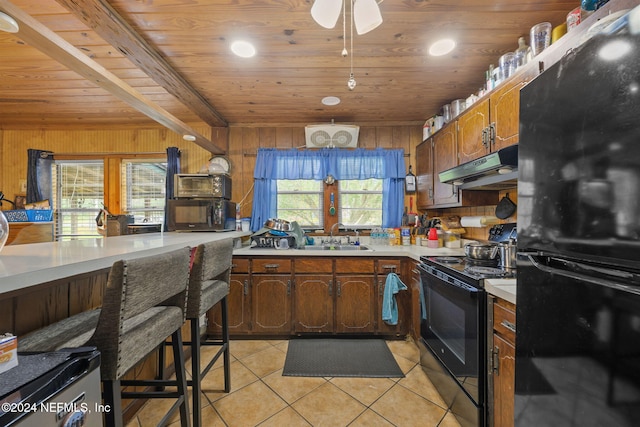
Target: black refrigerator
point(578, 268)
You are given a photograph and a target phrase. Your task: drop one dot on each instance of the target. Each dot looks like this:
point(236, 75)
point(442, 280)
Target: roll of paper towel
point(478, 221)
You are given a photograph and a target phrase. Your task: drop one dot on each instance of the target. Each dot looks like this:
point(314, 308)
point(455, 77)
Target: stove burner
point(481, 262)
point(485, 271)
point(447, 259)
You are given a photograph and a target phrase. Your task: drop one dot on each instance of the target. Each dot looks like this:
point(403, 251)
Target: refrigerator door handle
point(583, 277)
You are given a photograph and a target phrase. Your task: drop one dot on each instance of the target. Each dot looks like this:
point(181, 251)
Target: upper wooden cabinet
point(493, 122)
point(472, 128)
point(424, 174)
point(436, 155)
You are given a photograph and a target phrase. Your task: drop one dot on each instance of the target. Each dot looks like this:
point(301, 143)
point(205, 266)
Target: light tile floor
point(261, 396)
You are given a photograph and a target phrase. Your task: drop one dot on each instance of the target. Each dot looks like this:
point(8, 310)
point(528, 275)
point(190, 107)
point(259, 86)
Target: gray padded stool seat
point(208, 285)
point(144, 304)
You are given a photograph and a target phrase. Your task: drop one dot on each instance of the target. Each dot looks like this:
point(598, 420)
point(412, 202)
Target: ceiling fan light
point(366, 15)
point(326, 12)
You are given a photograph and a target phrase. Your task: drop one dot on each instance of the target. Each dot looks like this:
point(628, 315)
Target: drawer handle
point(510, 326)
point(389, 267)
point(246, 287)
point(271, 265)
point(234, 266)
point(414, 271)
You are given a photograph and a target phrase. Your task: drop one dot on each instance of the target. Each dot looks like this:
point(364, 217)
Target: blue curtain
point(173, 167)
point(38, 175)
point(273, 164)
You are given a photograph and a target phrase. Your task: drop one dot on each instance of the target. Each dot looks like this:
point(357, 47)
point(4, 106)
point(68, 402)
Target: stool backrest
point(133, 287)
point(150, 281)
point(211, 261)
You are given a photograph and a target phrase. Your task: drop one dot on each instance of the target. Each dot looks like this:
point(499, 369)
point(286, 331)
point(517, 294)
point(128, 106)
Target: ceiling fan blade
point(366, 15)
point(326, 12)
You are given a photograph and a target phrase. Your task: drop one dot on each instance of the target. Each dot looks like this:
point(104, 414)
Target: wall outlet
point(23, 186)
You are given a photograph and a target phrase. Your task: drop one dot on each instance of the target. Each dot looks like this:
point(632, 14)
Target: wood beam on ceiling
point(48, 42)
point(107, 22)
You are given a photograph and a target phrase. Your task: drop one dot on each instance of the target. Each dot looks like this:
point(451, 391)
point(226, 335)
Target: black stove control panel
point(503, 232)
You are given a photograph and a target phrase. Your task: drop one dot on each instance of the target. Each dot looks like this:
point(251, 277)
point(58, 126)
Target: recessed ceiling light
point(243, 49)
point(442, 47)
point(331, 100)
point(8, 24)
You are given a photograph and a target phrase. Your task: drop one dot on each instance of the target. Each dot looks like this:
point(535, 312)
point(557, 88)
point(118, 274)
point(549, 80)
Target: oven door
point(454, 328)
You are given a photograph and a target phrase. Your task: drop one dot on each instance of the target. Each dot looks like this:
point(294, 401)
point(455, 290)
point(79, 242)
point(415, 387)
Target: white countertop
point(22, 266)
point(502, 288)
point(412, 251)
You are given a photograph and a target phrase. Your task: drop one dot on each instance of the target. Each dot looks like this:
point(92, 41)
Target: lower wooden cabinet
point(503, 366)
point(311, 295)
point(383, 268)
point(314, 307)
point(271, 303)
point(355, 304)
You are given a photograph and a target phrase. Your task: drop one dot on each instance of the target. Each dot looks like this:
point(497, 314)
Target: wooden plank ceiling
point(175, 54)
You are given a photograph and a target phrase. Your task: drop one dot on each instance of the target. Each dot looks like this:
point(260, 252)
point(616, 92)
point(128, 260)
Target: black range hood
point(495, 171)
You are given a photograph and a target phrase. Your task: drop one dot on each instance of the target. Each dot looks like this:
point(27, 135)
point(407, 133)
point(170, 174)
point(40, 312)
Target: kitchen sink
point(336, 248)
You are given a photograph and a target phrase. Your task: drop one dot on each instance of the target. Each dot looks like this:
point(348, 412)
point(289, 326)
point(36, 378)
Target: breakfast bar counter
point(23, 266)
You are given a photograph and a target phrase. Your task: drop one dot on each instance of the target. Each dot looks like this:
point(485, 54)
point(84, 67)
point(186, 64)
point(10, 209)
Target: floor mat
point(335, 357)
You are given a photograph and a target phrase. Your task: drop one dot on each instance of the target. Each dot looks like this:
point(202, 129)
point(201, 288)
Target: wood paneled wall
point(14, 145)
point(245, 141)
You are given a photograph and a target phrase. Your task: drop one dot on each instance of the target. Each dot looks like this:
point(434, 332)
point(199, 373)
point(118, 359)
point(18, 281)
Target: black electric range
point(453, 328)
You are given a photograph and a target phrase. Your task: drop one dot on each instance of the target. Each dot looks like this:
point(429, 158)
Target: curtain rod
point(51, 153)
point(256, 154)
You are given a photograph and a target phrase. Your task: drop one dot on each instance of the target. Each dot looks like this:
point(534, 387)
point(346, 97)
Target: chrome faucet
point(338, 224)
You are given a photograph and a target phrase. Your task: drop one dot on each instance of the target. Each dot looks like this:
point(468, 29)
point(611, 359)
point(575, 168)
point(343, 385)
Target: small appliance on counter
point(202, 203)
point(202, 185)
point(213, 214)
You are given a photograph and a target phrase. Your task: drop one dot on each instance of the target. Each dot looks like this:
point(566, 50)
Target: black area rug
point(328, 357)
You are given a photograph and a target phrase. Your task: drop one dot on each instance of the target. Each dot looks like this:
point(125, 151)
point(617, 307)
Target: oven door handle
point(595, 280)
point(450, 280)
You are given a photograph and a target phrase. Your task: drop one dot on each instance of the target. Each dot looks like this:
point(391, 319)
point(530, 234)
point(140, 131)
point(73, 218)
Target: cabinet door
point(424, 174)
point(271, 303)
point(505, 115)
point(313, 310)
point(355, 308)
point(445, 156)
point(471, 126)
point(504, 382)
point(238, 303)
point(384, 267)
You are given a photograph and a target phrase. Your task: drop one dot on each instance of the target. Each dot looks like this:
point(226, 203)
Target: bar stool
point(208, 285)
point(144, 304)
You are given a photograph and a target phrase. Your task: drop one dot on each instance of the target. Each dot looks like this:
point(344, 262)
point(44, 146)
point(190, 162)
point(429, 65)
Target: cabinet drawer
point(386, 266)
point(313, 265)
point(354, 265)
point(504, 319)
point(240, 265)
point(276, 265)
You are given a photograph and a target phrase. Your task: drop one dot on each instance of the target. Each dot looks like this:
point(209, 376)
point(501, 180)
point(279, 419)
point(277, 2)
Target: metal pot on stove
point(481, 251)
point(507, 254)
